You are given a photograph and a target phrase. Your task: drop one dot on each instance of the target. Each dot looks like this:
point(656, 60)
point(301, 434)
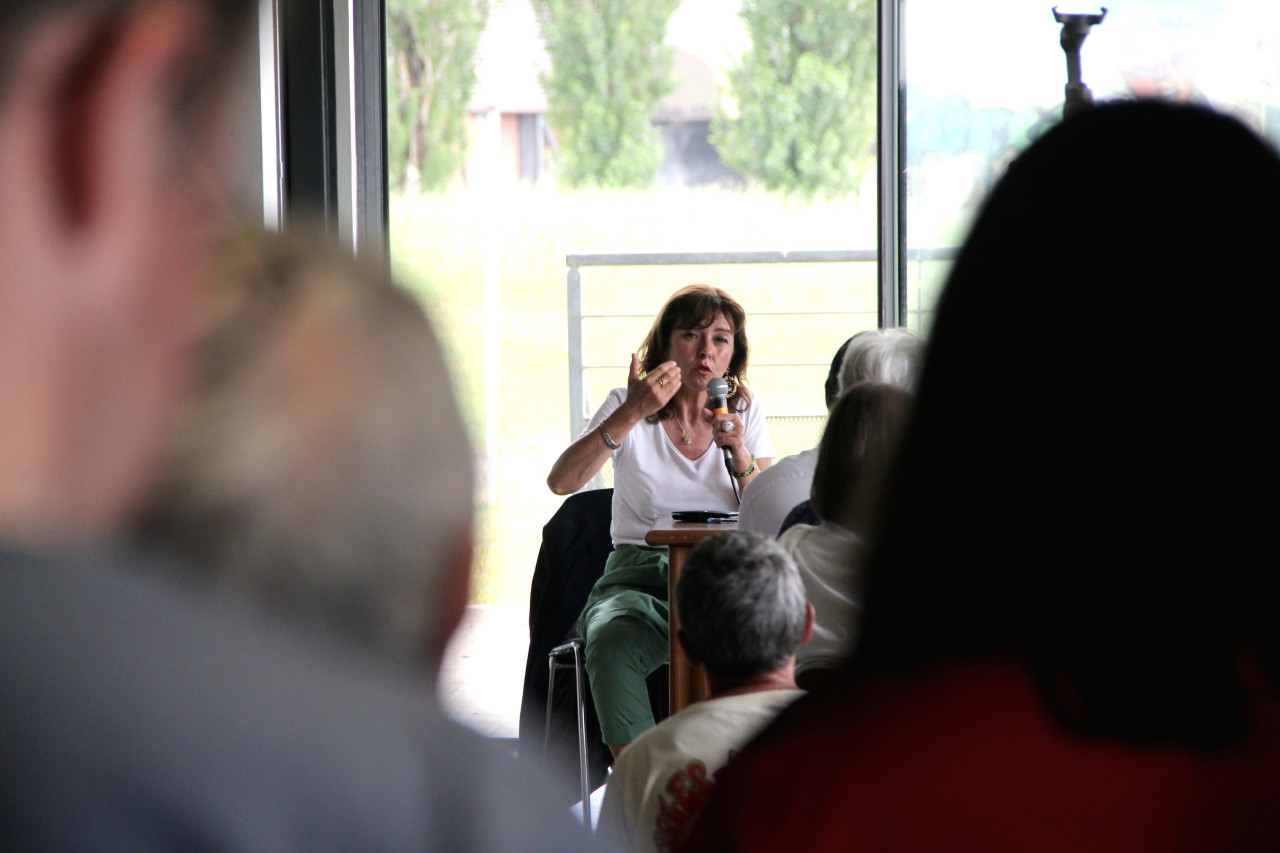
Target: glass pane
point(983, 80)
point(485, 239)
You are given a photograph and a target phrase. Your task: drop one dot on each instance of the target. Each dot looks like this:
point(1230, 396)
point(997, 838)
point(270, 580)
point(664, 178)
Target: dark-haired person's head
point(696, 306)
point(741, 604)
point(1078, 487)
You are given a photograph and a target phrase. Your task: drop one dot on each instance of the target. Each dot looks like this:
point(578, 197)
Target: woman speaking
point(666, 448)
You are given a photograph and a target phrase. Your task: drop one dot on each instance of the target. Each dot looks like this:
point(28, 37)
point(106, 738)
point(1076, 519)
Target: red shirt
point(965, 757)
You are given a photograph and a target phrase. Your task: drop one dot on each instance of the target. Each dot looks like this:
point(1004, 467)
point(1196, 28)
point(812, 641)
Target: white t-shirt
point(827, 556)
point(661, 782)
point(776, 491)
point(651, 478)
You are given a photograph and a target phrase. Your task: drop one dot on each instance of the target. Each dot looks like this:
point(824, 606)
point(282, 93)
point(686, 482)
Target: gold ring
point(662, 383)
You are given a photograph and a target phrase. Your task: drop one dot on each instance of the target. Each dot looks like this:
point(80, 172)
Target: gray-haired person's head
point(892, 356)
point(322, 470)
point(741, 604)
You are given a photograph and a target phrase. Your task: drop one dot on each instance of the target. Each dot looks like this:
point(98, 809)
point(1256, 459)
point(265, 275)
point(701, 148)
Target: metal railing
point(578, 414)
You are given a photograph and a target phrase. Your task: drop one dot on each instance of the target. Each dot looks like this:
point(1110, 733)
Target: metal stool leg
point(576, 648)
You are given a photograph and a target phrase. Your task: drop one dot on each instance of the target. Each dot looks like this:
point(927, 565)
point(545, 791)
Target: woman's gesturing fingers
point(666, 377)
point(652, 391)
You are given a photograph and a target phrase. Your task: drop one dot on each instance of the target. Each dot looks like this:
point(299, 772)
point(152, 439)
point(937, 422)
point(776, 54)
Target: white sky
point(1006, 52)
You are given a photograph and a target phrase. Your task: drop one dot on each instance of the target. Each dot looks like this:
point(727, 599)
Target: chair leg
point(552, 663)
point(574, 647)
point(579, 674)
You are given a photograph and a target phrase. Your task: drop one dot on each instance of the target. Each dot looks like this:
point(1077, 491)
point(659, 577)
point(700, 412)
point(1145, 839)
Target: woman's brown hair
point(695, 307)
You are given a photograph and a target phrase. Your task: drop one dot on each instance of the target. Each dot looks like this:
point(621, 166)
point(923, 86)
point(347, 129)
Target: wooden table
point(688, 682)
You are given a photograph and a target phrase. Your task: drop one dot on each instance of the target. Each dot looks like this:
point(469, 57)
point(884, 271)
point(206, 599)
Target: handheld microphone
point(718, 394)
point(718, 402)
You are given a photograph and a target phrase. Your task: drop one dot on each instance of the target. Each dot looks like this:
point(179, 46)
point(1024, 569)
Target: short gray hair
point(322, 469)
point(892, 356)
point(741, 604)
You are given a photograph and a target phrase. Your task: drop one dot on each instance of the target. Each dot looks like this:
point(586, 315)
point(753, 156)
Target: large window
point(485, 236)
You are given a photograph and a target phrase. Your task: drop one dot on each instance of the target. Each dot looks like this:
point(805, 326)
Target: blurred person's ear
point(450, 601)
point(809, 616)
point(119, 146)
point(105, 249)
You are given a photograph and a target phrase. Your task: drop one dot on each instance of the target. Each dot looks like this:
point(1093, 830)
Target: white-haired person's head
point(322, 470)
point(892, 356)
point(741, 605)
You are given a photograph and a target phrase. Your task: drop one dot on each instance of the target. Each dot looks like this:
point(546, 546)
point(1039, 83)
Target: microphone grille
point(717, 387)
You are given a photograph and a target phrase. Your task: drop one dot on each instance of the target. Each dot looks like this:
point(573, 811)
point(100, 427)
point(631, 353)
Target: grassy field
point(445, 246)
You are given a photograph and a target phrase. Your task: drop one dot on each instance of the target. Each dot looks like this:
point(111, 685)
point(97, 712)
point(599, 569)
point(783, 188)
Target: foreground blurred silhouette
point(137, 712)
point(312, 474)
point(1068, 633)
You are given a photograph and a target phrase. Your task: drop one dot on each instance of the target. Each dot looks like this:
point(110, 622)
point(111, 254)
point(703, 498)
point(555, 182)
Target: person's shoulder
point(615, 398)
point(796, 466)
point(774, 492)
point(821, 549)
point(760, 700)
point(666, 733)
point(712, 714)
point(659, 733)
point(125, 674)
point(779, 698)
point(797, 533)
point(612, 401)
point(754, 697)
point(750, 408)
point(219, 698)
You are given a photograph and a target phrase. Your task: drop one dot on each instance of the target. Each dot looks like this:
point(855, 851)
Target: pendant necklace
point(685, 438)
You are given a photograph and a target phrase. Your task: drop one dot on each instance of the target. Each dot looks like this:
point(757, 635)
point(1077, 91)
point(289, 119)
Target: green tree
point(806, 95)
point(431, 73)
point(609, 69)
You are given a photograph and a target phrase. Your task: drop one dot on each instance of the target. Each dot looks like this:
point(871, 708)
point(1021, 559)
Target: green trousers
point(624, 624)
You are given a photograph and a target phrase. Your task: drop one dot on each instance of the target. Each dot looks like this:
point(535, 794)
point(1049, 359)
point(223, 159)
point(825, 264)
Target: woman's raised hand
point(649, 393)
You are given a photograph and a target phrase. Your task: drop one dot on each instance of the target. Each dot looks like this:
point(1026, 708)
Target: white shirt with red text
point(663, 778)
